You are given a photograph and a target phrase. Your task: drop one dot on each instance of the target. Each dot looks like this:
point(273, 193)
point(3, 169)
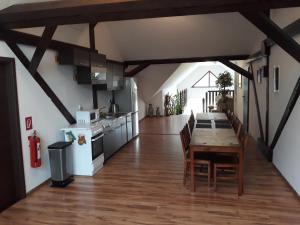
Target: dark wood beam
point(41, 48)
point(33, 40)
point(136, 70)
point(77, 11)
point(186, 60)
point(92, 36)
point(292, 29)
point(288, 110)
point(261, 131)
point(38, 78)
point(237, 69)
point(274, 32)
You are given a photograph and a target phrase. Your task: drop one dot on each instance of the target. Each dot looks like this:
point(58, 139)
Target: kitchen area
point(98, 133)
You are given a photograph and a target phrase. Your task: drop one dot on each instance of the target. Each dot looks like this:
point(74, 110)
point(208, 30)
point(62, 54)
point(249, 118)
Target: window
point(276, 73)
point(206, 81)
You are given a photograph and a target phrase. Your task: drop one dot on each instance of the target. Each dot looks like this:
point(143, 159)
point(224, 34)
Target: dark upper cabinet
point(98, 60)
point(114, 79)
point(74, 56)
point(90, 65)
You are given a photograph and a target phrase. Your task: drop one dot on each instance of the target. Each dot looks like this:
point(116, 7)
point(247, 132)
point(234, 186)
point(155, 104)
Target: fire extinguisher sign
point(28, 123)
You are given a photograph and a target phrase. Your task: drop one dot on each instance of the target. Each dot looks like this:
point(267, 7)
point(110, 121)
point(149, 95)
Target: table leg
point(192, 167)
point(241, 172)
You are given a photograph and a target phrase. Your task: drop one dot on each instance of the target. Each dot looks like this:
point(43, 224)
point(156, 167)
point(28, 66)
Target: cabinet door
point(124, 134)
point(118, 138)
point(129, 131)
point(109, 75)
point(109, 142)
point(81, 57)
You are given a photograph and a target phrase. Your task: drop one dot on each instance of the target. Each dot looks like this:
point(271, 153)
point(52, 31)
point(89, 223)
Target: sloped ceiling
point(178, 37)
point(187, 36)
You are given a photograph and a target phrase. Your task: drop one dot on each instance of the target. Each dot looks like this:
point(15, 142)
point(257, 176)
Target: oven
point(97, 145)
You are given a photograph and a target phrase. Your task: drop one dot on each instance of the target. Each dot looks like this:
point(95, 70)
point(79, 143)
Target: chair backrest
point(192, 116)
point(236, 124)
point(191, 125)
point(243, 136)
point(185, 140)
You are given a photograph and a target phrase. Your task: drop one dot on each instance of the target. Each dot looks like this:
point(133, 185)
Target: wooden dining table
point(213, 140)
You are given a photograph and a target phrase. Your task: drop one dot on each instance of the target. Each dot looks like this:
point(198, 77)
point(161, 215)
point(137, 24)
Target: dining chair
point(191, 124)
point(227, 167)
point(202, 164)
point(236, 124)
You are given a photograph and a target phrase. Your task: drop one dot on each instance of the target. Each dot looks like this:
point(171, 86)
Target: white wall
point(286, 153)
point(149, 82)
point(47, 120)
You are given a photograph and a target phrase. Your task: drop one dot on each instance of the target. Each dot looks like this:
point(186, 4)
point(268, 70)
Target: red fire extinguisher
point(35, 150)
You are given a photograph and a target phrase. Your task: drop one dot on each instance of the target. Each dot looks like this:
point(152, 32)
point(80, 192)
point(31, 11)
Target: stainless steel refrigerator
point(127, 100)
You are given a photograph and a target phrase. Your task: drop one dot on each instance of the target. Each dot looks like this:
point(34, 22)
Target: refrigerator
point(127, 100)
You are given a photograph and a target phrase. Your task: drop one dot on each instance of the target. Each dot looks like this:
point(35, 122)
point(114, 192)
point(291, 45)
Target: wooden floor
point(142, 184)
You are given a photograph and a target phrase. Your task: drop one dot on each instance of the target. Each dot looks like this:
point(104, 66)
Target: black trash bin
point(61, 164)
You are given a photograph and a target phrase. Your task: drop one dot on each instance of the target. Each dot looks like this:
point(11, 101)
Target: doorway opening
point(12, 185)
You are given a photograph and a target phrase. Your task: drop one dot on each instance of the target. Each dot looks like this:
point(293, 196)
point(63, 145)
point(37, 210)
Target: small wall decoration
point(28, 123)
point(81, 139)
point(276, 73)
point(259, 74)
point(240, 80)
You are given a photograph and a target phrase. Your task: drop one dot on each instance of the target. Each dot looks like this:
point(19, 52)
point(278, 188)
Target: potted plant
point(224, 81)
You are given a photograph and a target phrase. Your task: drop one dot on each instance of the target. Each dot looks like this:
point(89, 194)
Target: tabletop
point(218, 137)
point(211, 116)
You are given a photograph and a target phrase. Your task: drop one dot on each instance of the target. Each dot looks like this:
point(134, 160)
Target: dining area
point(213, 147)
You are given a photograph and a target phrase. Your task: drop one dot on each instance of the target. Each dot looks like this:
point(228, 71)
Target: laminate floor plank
point(142, 184)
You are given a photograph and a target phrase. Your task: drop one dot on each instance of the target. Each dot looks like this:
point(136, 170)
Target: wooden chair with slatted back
point(236, 124)
point(227, 167)
point(199, 163)
point(191, 125)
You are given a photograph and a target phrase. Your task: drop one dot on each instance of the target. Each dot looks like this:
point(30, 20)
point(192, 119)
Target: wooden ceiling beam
point(41, 82)
point(186, 60)
point(33, 40)
point(41, 48)
point(78, 11)
point(237, 69)
point(274, 32)
point(136, 70)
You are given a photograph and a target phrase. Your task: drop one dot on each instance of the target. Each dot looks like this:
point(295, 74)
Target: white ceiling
point(186, 36)
point(178, 37)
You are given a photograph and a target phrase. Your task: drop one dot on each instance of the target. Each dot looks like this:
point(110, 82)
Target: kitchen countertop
point(102, 123)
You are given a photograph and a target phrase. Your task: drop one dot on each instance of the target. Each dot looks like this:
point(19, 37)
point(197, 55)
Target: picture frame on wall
point(259, 75)
point(240, 80)
point(276, 75)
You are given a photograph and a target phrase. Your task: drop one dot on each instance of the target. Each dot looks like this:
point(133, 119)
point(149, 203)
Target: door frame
point(14, 120)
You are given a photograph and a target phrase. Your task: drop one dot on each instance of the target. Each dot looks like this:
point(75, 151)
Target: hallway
point(142, 184)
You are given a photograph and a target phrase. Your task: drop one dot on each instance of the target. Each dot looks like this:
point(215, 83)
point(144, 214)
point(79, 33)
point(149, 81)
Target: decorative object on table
point(81, 139)
point(223, 82)
point(70, 137)
point(157, 112)
point(150, 110)
point(210, 108)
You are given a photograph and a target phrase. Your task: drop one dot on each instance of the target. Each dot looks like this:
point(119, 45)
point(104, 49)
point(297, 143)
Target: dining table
point(216, 140)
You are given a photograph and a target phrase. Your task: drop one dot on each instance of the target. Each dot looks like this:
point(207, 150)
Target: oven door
point(97, 145)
